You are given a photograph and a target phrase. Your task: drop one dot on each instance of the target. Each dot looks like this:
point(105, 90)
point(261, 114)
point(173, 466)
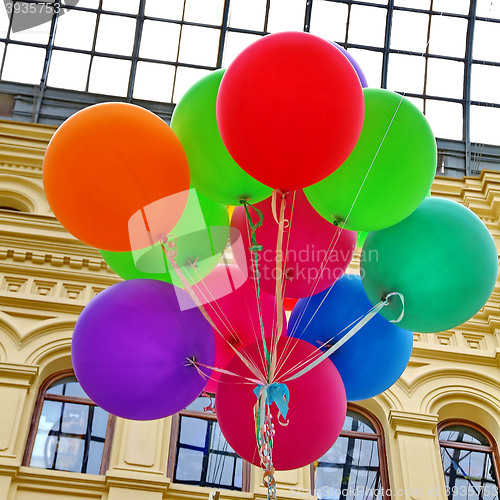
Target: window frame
point(378, 436)
point(172, 452)
point(492, 448)
point(35, 420)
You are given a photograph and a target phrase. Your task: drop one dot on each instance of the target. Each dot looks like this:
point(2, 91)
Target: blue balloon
point(374, 358)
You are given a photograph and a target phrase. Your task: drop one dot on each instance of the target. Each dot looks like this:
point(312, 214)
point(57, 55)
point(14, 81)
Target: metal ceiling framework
point(44, 104)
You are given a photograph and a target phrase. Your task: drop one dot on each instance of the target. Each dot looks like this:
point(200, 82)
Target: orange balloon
point(108, 162)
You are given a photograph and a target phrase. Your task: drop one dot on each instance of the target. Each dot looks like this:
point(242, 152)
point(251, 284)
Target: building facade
point(438, 421)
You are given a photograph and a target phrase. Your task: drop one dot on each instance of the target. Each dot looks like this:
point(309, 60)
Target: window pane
point(74, 389)
point(455, 7)
point(109, 76)
point(204, 11)
point(24, 19)
point(486, 41)
point(199, 45)
point(409, 31)
point(160, 40)
point(76, 30)
point(115, 35)
point(247, 15)
point(199, 403)
point(220, 469)
point(367, 25)
point(189, 465)
point(235, 43)
point(69, 70)
point(154, 81)
point(286, 15)
point(485, 83)
point(96, 450)
point(31, 69)
point(406, 73)
point(186, 77)
point(481, 129)
point(445, 119)
point(463, 434)
point(329, 20)
point(356, 422)
point(218, 441)
point(99, 422)
point(193, 431)
point(371, 64)
point(51, 413)
point(129, 7)
point(416, 4)
point(445, 78)
point(453, 44)
point(488, 8)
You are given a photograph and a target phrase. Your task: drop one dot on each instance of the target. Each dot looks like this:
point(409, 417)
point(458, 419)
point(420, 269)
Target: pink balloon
point(317, 409)
point(235, 313)
point(307, 242)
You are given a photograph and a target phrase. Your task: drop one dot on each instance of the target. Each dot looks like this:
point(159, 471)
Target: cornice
point(15, 375)
point(413, 423)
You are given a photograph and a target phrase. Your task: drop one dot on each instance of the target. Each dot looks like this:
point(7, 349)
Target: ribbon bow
point(274, 393)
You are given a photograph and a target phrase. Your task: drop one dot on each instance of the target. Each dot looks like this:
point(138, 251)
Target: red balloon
point(305, 246)
point(290, 109)
point(317, 409)
point(236, 314)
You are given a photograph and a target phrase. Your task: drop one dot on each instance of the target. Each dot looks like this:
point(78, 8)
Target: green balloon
point(213, 171)
point(199, 239)
point(442, 259)
point(388, 173)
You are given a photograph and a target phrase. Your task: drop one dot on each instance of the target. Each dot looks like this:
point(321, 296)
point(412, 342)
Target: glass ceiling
point(442, 54)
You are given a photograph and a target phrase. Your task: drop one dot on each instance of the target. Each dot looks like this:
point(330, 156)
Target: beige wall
point(47, 277)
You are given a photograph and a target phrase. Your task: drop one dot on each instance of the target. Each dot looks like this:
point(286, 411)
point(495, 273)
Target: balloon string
point(254, 249)
point(197, 364)
point(170, 251)
point(370, 315)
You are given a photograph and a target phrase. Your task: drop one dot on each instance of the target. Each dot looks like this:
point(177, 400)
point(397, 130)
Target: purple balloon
point(130, 346)
point(354, 63)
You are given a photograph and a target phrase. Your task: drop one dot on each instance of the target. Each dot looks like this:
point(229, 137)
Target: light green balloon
point(388, 173)
point(213, 171)
point(200, 238)
point(443, 260)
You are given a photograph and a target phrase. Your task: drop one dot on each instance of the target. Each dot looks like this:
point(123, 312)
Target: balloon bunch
point(290, 135)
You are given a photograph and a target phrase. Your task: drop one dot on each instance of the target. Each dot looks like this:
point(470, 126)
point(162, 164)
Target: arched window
point(200, 454)
point(355, 466)
point(69, 432)
point(470, 461)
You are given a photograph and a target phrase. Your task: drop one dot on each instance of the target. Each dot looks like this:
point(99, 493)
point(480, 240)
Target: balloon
point(130, 346)
point(370, 361)
point(200, 238)
point(306, 242)
point(442, 259)
point(317, 409)
point(104, 164)
point(355, 65)
point(213, 172)
point(257, 106)
point(236, 314)
point(389, 172)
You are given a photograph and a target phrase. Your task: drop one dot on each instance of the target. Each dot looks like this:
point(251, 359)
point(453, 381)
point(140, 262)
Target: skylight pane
point(481, 129)
point(4, 23)
point(126, 6)
point(109, 76)
point(286, 15)
point(36, 34)
point(76, 30)
point(415, 4)
point(154, 81)
point(171, 9)
point(247, 15)
point(485, 84)
point(419, 103)
point(68, 70)
point(406, 73)
point(453, 43)
point(445, 119)
point(409, 31)
point(455, 6)
point(488, 8)
point(186, 77)
point(115, 35)
point(235, 43)
point(445, 78)
point(160, 40)
point(367, 25)
point(90, 4)
point(486, 41)
point(204, 11)
point(371, 65)
point(30, 71)
point(199, 45)
point(329, 20)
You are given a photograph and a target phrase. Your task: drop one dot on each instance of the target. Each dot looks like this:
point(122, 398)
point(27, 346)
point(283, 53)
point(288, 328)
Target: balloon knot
point(338, 222)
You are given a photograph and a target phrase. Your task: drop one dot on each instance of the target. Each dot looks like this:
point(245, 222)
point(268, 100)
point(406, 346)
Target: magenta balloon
point(236, 314)
point(130, 346)
point(305, 244)
point(355, 65)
